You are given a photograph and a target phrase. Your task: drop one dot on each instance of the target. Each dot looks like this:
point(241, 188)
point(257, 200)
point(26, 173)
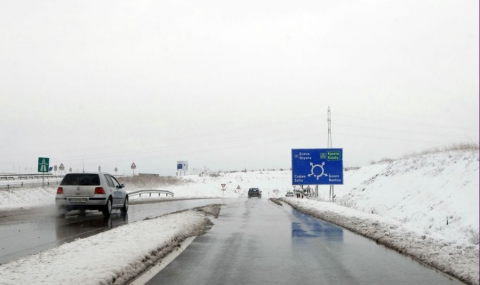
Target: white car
point(91, 191)
point(289, 194)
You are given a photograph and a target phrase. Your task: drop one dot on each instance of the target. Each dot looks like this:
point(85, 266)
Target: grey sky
point(230, 85)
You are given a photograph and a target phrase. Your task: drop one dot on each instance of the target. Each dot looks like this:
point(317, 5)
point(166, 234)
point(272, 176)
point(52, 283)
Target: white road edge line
point(149, 274)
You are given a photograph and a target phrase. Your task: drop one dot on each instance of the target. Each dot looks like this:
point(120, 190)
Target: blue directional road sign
point(319, 166)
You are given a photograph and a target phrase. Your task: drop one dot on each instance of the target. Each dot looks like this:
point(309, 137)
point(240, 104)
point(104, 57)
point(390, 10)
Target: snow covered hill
point(436, 192)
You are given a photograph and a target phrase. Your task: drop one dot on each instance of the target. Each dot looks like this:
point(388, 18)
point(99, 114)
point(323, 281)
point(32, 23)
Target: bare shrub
point(351, 168)
point(149, 181)
point(462, 146)
point(347, 201)
point(473, 236)
point(383, 160)
point(386, 159)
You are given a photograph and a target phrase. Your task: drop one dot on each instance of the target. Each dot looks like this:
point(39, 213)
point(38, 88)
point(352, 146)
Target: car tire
point(124, 209)
point(82, 211)
point(107, 209)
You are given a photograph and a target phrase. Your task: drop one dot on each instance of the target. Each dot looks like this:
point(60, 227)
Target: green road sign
point(334, 155)
point(43, 163)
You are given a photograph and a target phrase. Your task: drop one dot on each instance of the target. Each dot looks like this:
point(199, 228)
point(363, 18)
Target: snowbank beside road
point(459, 260)
point(15, 198)
point(111, 257)
point(437, 193)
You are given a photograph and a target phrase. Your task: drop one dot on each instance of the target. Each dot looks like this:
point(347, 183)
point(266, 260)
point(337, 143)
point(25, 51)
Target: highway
point(255, 241)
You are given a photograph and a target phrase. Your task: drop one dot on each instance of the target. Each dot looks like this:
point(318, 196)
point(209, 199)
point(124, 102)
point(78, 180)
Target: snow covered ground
point(404, 204)
point(98, 260)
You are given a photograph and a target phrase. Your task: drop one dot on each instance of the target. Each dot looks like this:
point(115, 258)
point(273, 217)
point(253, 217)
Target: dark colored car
point(254, 192)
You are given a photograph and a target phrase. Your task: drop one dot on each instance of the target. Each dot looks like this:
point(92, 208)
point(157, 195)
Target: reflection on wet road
point(255, 241)
point(25, 232)
point(309, 227)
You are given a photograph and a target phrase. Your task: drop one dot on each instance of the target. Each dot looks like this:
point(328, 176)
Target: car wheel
point(125, 205)
point(107, 210)
point(82, 211)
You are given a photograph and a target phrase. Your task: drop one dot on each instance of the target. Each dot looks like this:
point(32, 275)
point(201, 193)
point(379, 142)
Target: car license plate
point(78, 200)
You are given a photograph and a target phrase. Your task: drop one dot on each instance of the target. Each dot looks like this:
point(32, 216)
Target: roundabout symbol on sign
point(319, 166)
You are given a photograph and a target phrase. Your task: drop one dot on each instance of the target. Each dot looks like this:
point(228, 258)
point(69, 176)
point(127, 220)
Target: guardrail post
point(150, 194)
point(8, 186)
point(22, 183)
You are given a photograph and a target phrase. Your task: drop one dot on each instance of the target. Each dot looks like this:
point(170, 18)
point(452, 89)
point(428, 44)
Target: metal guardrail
point(20, 184)
point(27, 176)
point(140, 192)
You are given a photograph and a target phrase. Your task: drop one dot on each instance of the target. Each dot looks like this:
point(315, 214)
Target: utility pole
point(329, 145)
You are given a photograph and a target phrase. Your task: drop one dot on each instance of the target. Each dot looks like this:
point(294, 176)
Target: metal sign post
point(182, 165)
point(133, 167)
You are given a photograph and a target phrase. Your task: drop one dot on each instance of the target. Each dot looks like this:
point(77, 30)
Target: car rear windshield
point(253, 190)
point(81, 179)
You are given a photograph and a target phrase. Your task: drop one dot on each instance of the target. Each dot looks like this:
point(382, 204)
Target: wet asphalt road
point(25, 232)
point(255, 241)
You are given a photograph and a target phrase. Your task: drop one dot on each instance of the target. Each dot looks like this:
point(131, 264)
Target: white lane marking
point(149, 274)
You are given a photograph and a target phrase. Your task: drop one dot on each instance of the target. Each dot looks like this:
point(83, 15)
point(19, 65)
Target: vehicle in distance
point(91, 191)
point(254, 192)
point(289, 194)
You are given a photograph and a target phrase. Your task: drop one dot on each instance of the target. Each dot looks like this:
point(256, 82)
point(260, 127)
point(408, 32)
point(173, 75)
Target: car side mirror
point(122, 185)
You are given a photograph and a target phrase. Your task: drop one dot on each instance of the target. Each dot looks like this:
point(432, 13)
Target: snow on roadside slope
point(461, 261)
point(267, 181)
point(15, 198)
point(111, 257)
point(422, 191)
point(194, 186)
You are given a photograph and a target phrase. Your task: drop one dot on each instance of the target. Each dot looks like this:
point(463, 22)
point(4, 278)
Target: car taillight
point(99, 190)
point(59, 190)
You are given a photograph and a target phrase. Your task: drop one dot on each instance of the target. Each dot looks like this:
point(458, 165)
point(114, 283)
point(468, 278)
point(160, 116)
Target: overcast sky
point(232, 84)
